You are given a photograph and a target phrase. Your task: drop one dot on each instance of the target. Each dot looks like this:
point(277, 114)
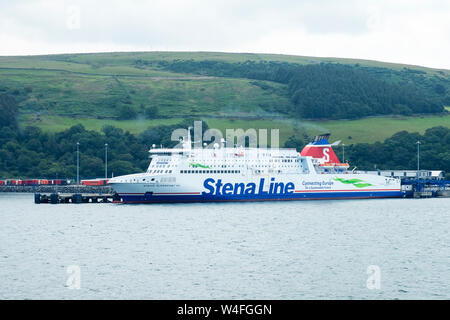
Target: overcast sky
point(404, 31)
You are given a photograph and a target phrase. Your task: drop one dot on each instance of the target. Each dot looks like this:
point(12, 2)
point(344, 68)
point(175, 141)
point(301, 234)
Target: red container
point(96, 182)
point(30, 182)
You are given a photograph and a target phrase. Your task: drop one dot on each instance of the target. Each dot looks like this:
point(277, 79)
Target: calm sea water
point(272, 250)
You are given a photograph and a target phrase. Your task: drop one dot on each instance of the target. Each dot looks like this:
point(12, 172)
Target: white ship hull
point(237, 187)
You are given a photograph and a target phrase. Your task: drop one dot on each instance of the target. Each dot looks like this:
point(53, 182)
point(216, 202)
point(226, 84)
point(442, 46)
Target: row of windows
point(159, 171)
point(210, 171)
point(271, 171)
point(248, 160)
point(222, 166)
point(218, 165)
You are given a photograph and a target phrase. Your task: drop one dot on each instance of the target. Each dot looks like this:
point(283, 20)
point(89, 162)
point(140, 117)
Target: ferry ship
point(188, 174)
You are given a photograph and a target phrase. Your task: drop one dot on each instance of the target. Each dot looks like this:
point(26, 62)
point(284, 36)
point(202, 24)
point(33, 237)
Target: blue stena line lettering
point(219, 188)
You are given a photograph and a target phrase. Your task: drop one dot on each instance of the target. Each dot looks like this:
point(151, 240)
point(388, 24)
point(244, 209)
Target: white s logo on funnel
point(326, 156)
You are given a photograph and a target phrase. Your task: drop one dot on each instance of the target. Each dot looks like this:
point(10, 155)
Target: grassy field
point(58, 123)
point(348, 131)
point(55, 92)
point(362, 130)
point(124, 62)
point(74, 94)
point(378, 129)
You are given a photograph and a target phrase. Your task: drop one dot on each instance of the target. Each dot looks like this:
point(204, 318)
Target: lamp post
point(78, 163)
point(343, 153)
point(106, 161)
point(418, 157)
point(418, 164)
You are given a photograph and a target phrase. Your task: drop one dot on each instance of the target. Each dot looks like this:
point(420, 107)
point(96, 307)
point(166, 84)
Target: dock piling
point(54, 198)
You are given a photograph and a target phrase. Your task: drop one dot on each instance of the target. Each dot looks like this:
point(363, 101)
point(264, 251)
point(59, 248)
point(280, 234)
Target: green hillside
point(226, 90)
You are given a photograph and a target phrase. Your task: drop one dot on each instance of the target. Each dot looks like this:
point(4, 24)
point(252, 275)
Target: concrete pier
point(55, 198)
point(59, 189)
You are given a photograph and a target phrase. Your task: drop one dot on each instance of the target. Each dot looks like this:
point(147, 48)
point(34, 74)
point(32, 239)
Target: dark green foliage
point(294, 142)
point(334, 91)
point(127, 112)
point(151, 112)
point(8, 111)
point(400, 151)
point(36, 154)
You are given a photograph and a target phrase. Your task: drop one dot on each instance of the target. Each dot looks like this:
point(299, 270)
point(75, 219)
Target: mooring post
point(77, 198)
point(54, 198)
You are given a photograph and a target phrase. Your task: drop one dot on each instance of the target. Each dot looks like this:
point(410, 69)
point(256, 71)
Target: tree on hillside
point(151, 112)
point(127, 112)
point(8, 111)
point(294, 142)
